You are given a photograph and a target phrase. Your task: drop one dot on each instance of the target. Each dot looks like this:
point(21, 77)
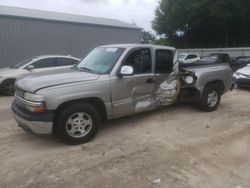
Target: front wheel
point(8, 87)
point(78, 123)
point(210, 98)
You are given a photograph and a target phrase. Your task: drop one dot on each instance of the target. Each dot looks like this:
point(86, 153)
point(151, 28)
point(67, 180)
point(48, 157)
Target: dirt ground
point(180, 145)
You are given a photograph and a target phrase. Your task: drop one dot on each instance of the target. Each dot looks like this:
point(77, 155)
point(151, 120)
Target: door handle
point(150, 81)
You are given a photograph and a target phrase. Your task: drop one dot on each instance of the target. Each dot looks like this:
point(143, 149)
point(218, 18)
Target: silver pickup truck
point(110, 82)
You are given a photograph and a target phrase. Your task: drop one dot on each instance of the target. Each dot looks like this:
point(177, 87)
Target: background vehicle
point(216, 57)
point(235, 63)
point(245, 59)
point(240, 62)
point(8, 76)
point(222, 58)
point(242, 77)
point(111, 82)
point(188, 58)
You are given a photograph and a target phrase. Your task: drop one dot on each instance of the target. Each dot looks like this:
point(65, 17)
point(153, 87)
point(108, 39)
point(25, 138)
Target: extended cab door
point(166, 76)
point(131, 94)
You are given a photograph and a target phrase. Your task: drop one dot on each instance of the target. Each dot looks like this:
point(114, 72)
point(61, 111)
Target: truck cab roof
point(138, 46)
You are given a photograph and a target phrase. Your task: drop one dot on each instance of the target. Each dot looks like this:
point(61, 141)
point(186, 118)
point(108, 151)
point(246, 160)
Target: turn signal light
point(39, 109)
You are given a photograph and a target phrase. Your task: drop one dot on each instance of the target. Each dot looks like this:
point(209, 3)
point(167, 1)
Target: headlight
point(35, 103)
point(33, 97)
point(189, 79)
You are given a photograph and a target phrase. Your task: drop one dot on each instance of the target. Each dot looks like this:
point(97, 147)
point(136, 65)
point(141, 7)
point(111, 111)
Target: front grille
point(19, 103)
point(19, 93)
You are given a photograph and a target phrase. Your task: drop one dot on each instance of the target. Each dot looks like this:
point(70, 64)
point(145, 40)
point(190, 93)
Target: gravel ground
point(177, 146)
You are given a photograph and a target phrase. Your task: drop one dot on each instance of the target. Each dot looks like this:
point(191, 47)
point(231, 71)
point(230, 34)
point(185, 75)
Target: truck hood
point(37, 81)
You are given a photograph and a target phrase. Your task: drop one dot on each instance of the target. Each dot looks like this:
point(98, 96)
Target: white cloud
point(140, 12)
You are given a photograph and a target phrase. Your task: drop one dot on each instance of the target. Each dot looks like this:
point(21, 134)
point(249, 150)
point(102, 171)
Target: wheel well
point(4, 81)
point(218, 83)
point(96, 102)
point(190, 94)
point(8, 79)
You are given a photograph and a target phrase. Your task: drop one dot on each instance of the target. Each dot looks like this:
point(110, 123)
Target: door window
point(140, 60)
point(191, 56)
point(44, 63)
point(164, 61)
point(66, 61)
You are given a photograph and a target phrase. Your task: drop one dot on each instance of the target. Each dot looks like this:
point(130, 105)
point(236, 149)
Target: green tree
point(147, 37)
point(162, 41)
point(204, 23)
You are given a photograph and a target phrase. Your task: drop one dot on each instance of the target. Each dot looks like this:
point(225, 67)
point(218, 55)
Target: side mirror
point(126, 71)
point(30, 67)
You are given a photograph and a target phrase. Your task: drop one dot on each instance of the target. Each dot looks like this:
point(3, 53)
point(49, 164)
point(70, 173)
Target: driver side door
point(132, 94)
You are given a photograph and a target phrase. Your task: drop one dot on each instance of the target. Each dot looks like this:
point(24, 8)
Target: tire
point(8, 87)
point(210, 98)
point(78, 123)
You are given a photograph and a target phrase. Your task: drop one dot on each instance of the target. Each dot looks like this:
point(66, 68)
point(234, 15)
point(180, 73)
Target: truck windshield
point(100, 60)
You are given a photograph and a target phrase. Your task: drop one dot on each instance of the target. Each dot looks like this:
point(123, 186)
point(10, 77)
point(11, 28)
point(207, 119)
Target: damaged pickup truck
point(111, 82)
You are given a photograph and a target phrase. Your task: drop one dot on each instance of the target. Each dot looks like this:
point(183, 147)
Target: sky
point(139, 12)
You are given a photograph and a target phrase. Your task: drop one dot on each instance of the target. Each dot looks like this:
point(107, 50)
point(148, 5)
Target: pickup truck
point(110, 82)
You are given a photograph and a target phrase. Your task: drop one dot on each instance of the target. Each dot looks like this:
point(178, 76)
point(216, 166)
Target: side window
point(191, 56)
point(140, 60)
point(44, 63)
point(74, 61)
point(66, 61)
point(164, 61)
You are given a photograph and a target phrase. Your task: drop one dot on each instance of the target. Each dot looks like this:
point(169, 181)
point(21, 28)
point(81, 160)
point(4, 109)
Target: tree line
point(203, 23)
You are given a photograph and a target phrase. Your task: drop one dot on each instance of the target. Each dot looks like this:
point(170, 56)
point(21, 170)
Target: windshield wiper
point(81, 68)
point(85, 68)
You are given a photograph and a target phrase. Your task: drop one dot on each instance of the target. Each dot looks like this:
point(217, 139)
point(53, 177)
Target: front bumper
point(243, 82)
point(32, 122)
point(36, 127)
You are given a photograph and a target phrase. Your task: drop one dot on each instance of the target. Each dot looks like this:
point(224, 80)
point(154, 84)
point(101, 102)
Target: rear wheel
point(78, 123)
point(210, 98)
point(8, 87)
